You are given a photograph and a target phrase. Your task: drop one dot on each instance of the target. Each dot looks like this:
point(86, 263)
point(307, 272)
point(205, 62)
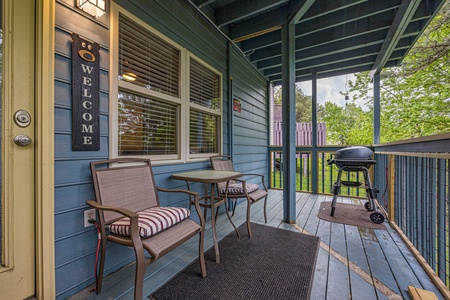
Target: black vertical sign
point(85, 95)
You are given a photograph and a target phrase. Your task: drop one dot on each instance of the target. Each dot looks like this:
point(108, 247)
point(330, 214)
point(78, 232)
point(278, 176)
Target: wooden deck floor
point(353, 262)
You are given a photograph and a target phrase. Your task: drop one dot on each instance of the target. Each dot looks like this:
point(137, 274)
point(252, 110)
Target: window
point(146, 126)
point(169, 103)
point(204, 94)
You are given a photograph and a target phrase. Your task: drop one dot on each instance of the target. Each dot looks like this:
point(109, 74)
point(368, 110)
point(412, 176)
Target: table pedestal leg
point(213, 223)
point(212, 206)
point(229, 217)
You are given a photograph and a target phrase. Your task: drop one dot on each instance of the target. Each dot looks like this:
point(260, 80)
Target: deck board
point(352, 263)
point(364, 290)
point(356, 252)
point(338, 286)
point(379, 266)
point(399, 266)
point(319, 289)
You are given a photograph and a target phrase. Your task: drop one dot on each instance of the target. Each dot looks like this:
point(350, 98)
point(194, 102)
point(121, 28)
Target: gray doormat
point(351, 214)
point(273, 264)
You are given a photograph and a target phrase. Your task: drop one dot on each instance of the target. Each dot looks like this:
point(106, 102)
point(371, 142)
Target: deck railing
point(416, 174)
point(326, 174)
point(413, 182)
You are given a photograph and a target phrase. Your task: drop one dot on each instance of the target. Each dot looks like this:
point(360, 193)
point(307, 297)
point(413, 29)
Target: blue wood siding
point(75, 245)
point(251, 125)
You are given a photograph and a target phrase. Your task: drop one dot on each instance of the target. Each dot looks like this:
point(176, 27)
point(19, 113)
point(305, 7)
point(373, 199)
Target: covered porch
point(353, 262)
point(299, 41)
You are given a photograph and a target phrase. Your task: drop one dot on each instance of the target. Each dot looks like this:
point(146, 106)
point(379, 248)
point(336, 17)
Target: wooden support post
point(288, 126)
point(376, 108)
point(391, 186)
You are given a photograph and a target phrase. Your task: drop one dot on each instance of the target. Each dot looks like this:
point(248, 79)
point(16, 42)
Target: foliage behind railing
point(326, 174)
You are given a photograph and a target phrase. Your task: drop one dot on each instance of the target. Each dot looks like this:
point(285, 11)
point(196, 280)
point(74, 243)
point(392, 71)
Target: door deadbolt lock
point(22, 140)
point(22, 118)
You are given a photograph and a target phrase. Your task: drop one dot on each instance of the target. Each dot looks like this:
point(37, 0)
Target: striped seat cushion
point(151, 221)
point(236, 188)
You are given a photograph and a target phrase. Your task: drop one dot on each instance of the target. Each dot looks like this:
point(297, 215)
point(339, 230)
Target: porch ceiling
point(332, 37)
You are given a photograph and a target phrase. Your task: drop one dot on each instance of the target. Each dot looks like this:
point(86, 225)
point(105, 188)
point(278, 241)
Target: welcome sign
point(85, 95)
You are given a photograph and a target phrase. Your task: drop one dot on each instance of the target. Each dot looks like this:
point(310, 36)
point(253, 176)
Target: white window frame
point(183, 101)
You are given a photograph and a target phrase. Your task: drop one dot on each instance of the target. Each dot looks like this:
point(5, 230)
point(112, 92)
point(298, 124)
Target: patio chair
point(239, 188)
point(127, 201)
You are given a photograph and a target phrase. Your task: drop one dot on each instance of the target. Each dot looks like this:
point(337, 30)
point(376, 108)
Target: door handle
point(22, 118)
point(22, 140)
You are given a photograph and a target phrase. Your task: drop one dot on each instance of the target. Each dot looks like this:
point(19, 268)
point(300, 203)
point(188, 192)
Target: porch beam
point(341, 69)
point(269, 21)
point(307, 50)
point(324, 66)
point(288, 124)
point(202, 3)
point(346, 30)
point(264, 23)
point(404, 15)
point(297, 9)
point(239, 10)
point(326, 58)
point(358, 47)
point(329, 73)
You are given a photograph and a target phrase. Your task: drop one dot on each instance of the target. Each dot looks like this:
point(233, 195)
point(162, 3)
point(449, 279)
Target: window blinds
point(146, 126)
point(203, 133)
point(204, 86)
point(147, 60)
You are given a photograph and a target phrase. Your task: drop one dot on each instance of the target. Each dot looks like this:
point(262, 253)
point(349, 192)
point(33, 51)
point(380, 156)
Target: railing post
point(442, 223)
point(391, 187)
point(315, 158)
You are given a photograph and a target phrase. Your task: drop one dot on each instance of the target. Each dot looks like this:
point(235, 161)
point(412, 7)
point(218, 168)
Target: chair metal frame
point(224, 163)
point(116, 203)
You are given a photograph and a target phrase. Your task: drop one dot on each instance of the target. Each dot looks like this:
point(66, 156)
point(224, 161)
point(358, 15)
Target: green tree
point(348, 125)
point(303, 103)
point(415, 97)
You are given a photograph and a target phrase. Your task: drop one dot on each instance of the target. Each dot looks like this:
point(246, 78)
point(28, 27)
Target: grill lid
point(354, 153)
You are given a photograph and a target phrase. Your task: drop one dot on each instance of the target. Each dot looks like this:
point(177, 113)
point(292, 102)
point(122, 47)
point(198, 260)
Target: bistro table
point(210, 200)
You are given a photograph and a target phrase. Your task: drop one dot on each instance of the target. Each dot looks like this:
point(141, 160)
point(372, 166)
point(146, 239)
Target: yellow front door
point(18, 268)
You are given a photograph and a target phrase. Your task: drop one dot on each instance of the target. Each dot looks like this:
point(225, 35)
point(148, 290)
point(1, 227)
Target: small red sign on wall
point(237, 105)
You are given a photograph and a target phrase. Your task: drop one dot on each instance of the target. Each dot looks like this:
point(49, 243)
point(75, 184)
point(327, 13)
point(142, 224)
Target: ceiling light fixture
point(95, 8)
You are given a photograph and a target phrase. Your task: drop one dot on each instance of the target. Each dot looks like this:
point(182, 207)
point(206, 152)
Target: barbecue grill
point(356, 159)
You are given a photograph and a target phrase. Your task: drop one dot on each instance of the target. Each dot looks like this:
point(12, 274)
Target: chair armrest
point(134, 223)
point(196, 201)
point(123, 211)
point(259, 175)
point(176, 191)
point(249, 174)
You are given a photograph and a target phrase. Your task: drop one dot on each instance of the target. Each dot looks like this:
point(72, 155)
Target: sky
point(328, 89)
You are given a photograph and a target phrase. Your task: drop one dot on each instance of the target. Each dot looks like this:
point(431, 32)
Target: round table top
point(207, 176)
